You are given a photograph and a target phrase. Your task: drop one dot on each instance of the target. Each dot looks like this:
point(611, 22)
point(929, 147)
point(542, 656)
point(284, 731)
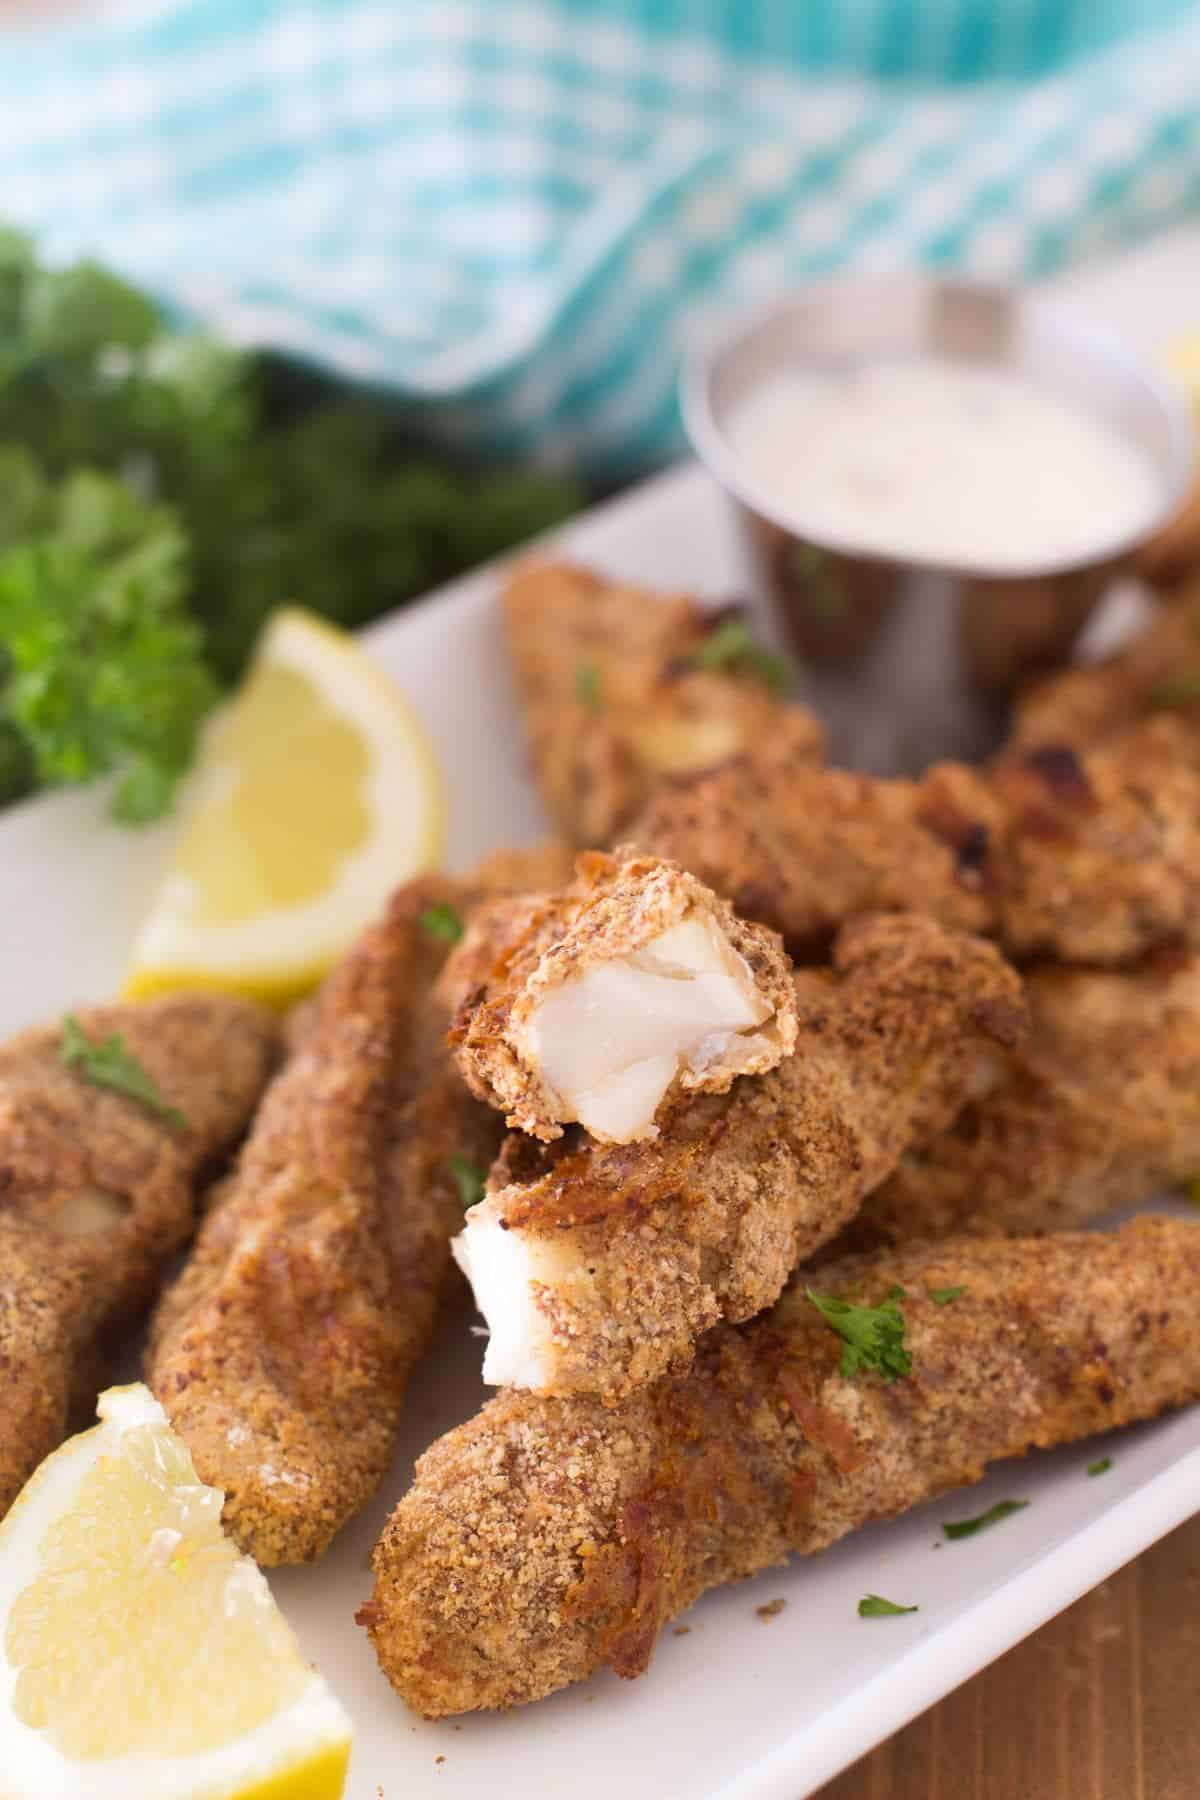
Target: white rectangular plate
point(738, 1708)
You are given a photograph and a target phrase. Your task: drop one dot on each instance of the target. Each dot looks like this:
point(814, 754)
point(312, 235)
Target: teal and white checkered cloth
point(505, 209)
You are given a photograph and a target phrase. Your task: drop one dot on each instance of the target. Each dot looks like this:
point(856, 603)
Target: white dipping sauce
point(931, 461)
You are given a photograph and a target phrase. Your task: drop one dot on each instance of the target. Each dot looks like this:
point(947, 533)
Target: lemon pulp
point(287, 806)
point(315, 793)
point(143, 1630)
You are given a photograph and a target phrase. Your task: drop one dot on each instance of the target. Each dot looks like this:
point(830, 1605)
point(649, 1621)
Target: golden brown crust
point(660, 1241)
point(1089, 855)
point(520, 949)
point(536, 869)
point(1099, 857)
point(283, 1351)
point(613, 702)
point(97, 1193)
point(547, 1537)
point(1099, 1108)
point(805, 849)
point(1082, 706)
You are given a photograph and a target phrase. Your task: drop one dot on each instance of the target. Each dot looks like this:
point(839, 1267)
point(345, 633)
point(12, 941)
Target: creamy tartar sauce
point(939, 462)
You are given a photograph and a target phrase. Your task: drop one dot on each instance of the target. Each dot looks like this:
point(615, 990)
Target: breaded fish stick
point(546, 1537)
point(604, 1000)
point(1099, 854)
point(534, 869)
point(621, 687)
point(598, 1266)
point(1089, 857)
point(1099, 1108)
point(1158, 670)
point(805, 849)
point(283, 1352)
point(98, 1190)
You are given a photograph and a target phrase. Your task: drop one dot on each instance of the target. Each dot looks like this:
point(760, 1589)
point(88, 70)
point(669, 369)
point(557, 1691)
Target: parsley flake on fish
point(873, 1336)
point(442, 921)
point(109, 1065)
point(733, 646)
point(943, 1296)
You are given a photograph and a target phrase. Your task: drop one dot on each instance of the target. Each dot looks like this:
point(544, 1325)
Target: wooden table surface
point(1101, 1704)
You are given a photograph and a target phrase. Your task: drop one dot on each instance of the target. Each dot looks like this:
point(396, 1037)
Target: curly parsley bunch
point(160, 495)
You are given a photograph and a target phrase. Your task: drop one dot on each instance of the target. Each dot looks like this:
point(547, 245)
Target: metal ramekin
point(860, 616)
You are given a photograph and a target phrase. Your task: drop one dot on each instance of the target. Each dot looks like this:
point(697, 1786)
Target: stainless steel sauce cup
point(912, 660)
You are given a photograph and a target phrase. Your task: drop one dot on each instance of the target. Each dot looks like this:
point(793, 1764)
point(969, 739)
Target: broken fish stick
point(601, 1002)
point(547, 1538)
point(597, 1266)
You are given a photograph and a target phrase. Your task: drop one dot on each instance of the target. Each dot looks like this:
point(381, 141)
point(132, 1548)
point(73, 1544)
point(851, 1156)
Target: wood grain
point(1102, 1704)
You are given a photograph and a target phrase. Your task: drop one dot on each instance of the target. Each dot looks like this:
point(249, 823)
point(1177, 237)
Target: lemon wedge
point(315, 793)
point(140, 1653)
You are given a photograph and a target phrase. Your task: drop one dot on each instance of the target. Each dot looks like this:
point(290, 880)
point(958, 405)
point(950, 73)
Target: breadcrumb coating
point(283, 1351)
point(643, 1247)
point(548, 1537)
point(1100, 1107)
point(609, 920)
point(614, 699)
point(1099, 859)
point(97, 1193)
point(1083, 705)
point(1088, 856)
point(805, 849)
point(536, 869)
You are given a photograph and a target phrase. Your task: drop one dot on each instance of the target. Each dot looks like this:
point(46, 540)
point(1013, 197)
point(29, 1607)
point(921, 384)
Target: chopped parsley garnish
point(943, 1296)
point(733, 646)
point(469, 1178)
point(587, 686)
point(1100, 1468)
point(110, 1065)
point(441, 921)
point(874, 1606)
point(1003, 1509)
point(873, 1336)
point(1173, 690)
